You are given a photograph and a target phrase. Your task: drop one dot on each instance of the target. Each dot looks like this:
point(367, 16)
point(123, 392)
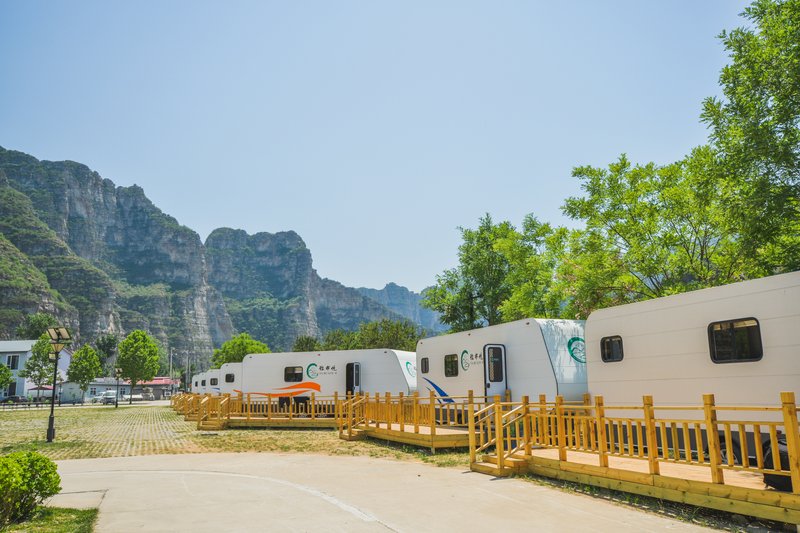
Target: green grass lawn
point(88, 432)
point(57, 520)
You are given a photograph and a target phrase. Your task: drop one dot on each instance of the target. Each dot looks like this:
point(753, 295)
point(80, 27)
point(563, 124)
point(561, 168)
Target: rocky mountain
point(406, 304)
point(104, 259)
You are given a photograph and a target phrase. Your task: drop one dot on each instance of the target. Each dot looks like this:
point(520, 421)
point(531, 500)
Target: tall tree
point(755, 129)
point(339, 339)
point(138, 358)
point(306, 343)
point(84, 367)
point(38, 367)
point(35, 325)
point(471, 294)
point(106, 348)
point(394, 334)
point(234, 350)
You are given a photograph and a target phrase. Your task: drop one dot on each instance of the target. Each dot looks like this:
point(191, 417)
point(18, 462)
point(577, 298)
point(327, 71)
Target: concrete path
point(294, 493)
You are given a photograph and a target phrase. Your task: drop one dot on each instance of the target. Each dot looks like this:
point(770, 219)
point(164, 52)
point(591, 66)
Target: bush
point(26, 480)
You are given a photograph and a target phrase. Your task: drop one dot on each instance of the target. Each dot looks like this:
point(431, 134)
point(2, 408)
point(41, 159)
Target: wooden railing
point(350, 415)
point(719, 438)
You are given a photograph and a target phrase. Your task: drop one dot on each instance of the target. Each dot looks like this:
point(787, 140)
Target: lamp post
point(118, 374)
point(59, 338)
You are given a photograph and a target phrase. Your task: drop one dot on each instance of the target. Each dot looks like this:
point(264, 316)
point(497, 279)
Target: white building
point(14, 354)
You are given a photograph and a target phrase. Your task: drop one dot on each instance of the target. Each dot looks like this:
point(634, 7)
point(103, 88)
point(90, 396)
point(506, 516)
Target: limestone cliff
point(407, 304)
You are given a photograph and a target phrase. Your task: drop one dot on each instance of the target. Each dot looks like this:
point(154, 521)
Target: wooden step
point(488, 468)
point(512, 465)
point(357, 434)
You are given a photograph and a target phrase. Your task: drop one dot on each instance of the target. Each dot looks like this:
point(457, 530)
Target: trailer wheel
point(736, 451)
point(775, 481)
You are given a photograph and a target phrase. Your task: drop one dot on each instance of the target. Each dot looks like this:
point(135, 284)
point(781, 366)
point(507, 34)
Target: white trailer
point(527, 357)
point(739, 342)
point(212, 381)
point(198, 383)
point(230, 378)
point(299, 374)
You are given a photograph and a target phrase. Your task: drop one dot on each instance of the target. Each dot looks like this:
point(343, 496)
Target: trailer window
point(293, 373)
point(495, 355)
point(423, 365)
point(229, 378)
point(611, 349)
point(214, 381)
point(735, 341)
point(450, 365)
point(203, 383)
point(195, 384)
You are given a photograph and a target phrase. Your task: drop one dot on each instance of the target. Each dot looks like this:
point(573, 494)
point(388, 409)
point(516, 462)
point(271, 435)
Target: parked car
point(15, 399)
point(108, 397)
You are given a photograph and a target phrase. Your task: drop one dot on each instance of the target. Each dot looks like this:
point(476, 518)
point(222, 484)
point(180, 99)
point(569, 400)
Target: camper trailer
point(527, 357)
point(299, 374)
point(230, 378)
point(212, 381)
point(736, 341)
point(198, 383)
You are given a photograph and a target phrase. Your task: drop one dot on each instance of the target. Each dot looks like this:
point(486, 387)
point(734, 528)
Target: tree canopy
point(84, 367)
point(138, 358)
point(38, 367)
point(35, 325)
point(234, 350)
point(306, 343)
point(5, 377)
point(385, 333)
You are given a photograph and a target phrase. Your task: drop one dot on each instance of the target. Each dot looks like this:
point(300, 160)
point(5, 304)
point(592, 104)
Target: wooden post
point(248, 408)
point(313, 406)
point(602, 437)
point(508, 395)
point(498, 433)
point(587, 398)
point(470, 399)
point(415, 413)
point(544, 430)
point(560, 429)
point(471, 428)
point(402, 413)
point(269, 406)
point(526, 429)
point(389, 417)
point(349, 417)
point(792, 432)
point(650, 429)
point(712, 434)
point(433, 414)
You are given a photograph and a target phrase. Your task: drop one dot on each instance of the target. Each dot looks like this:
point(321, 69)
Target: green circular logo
point(311, 371)
point(412, 371)
point(577, 349)
point(465, 359)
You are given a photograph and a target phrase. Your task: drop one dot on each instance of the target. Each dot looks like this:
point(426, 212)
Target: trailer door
point(494, 364)
point(353, 378)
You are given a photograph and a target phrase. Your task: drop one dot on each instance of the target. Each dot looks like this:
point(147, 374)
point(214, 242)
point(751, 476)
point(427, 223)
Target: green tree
point(35, 325)
point(5, 377)
point(84, 367)
point(533, 255)
point(339, 339)
point(234, 350)
point(306, 343)
point(106, 346)
point(472, 293)
point(138, 358)
point(38, 367)
point(394, 334)
point(755, 130)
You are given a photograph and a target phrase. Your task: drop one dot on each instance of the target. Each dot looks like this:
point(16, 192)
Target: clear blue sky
point(373, 129)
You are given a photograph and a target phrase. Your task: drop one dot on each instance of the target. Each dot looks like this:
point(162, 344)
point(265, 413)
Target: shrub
point(26, 480)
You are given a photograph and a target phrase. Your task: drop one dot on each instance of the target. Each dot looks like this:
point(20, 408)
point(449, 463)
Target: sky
point(373, 129)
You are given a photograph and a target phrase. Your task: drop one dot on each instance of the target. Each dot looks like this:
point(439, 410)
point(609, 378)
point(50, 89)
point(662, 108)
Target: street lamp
point(59, 338)
point(118, 374)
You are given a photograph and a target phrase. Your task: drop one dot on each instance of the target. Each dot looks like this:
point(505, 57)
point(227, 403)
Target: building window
point(13, 362)
point(611, 349)
point(735, 341)
point(93, 391)
point(494, 355)
point(12, 389)
point(450, 365)
point(293, 373)
point(423, 365)
point(229, 378)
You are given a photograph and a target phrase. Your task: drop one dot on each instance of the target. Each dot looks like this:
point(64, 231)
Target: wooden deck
point(441, 437)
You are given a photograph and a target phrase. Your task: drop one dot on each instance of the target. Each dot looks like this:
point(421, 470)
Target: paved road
point(293, 493)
